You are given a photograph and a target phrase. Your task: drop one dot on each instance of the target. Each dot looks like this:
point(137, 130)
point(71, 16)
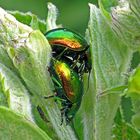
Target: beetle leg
point(51, 96)
point(56, 82)
point(48, 97)
point(59, 56)
point(61, 99)
point(68, 120)
point(42, 114)
point(62, 114)
point(81, 68)
point(75, 63)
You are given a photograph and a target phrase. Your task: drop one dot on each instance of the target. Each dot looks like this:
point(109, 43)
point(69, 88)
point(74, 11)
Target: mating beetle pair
point(71, 58)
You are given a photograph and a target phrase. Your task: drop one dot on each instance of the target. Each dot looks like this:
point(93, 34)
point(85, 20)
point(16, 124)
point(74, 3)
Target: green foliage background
point(24, 53)
point(73, 14)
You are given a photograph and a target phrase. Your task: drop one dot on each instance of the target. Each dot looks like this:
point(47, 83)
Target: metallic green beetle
point(69, 88)
point(68, 44)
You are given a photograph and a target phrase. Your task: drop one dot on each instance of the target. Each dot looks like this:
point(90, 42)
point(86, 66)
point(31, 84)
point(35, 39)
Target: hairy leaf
point(30, 19)
point(110, 58)
point(15, 127)
point(31, 53)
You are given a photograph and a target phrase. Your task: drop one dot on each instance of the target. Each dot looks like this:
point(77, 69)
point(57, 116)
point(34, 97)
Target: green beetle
point(68, 44)
point(69, 88)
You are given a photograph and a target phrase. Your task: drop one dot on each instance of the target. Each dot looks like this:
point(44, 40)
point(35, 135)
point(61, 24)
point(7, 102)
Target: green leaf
point(134, 84)
point(15, 127)
point(135, 60)
point(52, 16)
point(136, 109)
point(136, 119)
point(31, 53)
point(133, 92)
point(7, 62)
point(33, 67)
point(5, 59)
point(16, 94)
point(127, 109)
point(25, 54)
point(126, 23)
point(108, 4)
point(123, 130)
point(3, 101)
point(30, 19)
point(110, 58)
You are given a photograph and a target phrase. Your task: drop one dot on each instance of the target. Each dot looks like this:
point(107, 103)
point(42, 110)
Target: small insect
point(68, 44)
point(69, 88)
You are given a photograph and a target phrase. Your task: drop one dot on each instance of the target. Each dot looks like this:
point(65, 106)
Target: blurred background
point(73, 14)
